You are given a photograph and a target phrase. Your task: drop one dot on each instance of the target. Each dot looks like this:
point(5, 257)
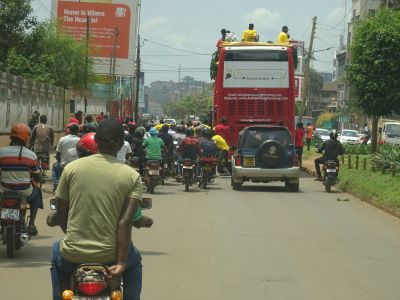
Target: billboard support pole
point(137, 82)
point(114, 55)
point(87, 62)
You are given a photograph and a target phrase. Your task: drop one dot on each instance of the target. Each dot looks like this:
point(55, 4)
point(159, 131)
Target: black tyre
point(204, 180)
point(328, 185)
point(236, 186)
point(187, 183)
point(151, 185)
point(10, 239)
point(270, 155)
point(293, 187)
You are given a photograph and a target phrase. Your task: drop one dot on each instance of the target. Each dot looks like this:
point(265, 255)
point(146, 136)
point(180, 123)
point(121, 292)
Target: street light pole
point(136, 113)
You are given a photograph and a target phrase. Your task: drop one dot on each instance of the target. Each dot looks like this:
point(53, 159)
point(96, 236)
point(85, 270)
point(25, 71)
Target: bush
point(387, 158)
point(357, 149)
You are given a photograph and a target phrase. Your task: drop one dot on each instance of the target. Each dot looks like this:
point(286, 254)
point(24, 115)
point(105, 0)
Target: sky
point(194, 26)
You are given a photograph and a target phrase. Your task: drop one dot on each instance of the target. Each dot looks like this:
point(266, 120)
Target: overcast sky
point(195, 26)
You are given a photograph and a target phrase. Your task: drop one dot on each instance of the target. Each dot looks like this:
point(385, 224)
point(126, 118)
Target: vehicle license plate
point(90, 298)
point(10, 214)
point(154, 172)
point(331, 170)
point(248, 162)
point(165, 166)
point(187, 167)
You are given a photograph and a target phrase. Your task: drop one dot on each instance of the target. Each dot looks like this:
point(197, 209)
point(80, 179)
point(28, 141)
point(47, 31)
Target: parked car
point(323, 134)
point(350, 137)
point(265, 154)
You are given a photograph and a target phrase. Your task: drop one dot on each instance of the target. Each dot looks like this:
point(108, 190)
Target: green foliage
point(15, 22)
point(360, 149)
point(39, 51)
point(387, 158)
point(324, 117)
point(190, 105)
point(375, 65)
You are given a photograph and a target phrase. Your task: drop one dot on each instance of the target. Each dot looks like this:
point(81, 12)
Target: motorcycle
point(13, 222)
point(208, 170)
point(91, 281)
point(152, 175)
point(135, 163)
point(331, 170)
point(188, 168)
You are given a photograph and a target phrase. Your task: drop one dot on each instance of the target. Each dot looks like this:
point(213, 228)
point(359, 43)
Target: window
point(259, 55)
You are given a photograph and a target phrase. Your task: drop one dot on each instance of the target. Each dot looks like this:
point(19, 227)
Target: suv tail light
point(9, 202)
point(238, 161)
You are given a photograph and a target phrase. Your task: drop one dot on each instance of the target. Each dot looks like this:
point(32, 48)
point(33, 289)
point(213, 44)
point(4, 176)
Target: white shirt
point(66, 143)
point(125, 149)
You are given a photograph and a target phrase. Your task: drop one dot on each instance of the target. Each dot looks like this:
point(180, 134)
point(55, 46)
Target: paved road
point(260, 243)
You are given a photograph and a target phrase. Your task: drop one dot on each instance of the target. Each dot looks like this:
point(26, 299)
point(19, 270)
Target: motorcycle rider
point(63, 156)
point(153, 146)
point(189, 148)
point(207, 145)
point(138, 148)
point(168, 143)
point(114, 189)
point(18, 164)
point(332, 148)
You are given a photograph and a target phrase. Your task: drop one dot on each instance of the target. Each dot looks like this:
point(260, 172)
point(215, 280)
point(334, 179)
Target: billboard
point(105, 18)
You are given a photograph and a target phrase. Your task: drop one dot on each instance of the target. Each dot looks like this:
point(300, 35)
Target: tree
point(190, 105)
point(375, 66)
point(15, 22)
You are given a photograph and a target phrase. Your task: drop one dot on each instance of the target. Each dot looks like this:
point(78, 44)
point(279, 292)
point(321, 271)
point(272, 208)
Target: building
point(326, 101)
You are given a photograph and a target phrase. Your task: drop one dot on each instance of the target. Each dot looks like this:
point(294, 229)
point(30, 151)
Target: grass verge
point(379, 189)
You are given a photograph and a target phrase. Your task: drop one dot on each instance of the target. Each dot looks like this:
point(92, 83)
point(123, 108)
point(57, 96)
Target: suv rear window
point(257, 135)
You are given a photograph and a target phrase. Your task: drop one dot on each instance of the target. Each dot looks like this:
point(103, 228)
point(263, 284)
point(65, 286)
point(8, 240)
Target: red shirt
point(224, 131)
point(298, 142)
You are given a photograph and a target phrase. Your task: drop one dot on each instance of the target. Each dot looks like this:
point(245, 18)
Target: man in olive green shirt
point(97, 199)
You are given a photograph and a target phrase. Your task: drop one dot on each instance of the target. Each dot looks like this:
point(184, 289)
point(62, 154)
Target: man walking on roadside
point(309, 135)
point(42, 140)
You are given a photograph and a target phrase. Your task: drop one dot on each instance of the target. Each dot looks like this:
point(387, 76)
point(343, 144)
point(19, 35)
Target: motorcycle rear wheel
point(187, 183)
point(10, 238)
point(328, 185)
point(204, 180)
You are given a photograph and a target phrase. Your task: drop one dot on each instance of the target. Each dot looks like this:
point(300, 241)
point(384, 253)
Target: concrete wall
point(5, 139)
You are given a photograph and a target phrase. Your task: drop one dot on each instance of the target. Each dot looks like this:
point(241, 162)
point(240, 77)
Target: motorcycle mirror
point(53, 204)
point(147, 203)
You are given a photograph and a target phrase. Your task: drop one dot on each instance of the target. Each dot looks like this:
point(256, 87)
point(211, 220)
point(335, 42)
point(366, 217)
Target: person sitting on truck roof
point(283, 37)
point(222, 39)
point(250, 35)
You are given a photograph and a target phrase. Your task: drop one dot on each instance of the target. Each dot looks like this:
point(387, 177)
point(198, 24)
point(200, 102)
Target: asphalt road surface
point(259, 243)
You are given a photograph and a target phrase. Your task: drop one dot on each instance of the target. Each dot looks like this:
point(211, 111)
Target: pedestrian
point(34, 120)
point(299, 136)
point(250, 34)
point(100, 117)
point(283, 37)
point(42, 141)
point(309, 136)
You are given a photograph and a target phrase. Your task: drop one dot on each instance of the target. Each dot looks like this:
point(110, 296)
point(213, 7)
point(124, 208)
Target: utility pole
point(137, 81)
point(112, 65)
point(307, 69)
point(87, 63)
point(180, 82)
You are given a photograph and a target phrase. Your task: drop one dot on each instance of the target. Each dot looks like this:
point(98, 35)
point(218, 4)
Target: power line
point(173, 48)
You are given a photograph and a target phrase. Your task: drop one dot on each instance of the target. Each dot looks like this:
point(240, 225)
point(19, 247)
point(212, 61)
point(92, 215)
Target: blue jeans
point(35, 199)
point(61, 270)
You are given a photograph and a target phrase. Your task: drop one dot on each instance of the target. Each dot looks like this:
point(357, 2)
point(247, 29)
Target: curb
point(371, 201)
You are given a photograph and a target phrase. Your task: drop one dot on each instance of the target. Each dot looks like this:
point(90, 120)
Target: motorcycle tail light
point(153, 166)
point(116, 295)
point(238, 161)
point(10, 202)
point(67, 295)
point(91, 288)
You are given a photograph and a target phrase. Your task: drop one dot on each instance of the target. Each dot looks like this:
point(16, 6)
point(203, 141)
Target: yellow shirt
point(220, 142)
point(249, 35)
point(95, 188)
point(158, 126)
point(282, 38)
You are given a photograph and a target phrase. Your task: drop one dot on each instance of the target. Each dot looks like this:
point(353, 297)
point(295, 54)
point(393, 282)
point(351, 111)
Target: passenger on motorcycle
point(207, 144)
point(153, 146)
point(19, 166)
point(63, 156)
point(167, 139)
point(332, 148)
point(138, 148)
point(189, 148)
point(97, 200)
point(223, 152)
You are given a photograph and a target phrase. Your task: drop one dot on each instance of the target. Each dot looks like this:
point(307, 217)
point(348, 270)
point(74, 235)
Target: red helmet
point(20, 131)
point(87, 145)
